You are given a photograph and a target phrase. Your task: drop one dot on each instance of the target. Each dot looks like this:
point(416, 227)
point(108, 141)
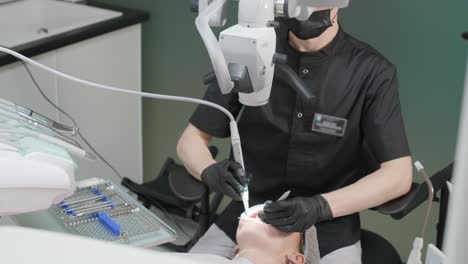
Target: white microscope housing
point(251, 46)
point(244, 56)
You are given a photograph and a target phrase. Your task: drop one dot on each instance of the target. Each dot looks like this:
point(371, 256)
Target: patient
point(262, 243)
point(258, 243)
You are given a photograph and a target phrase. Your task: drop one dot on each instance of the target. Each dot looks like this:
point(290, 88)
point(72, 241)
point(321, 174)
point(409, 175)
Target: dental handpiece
point(245, 199)
point(244, 189)
point(237, 153)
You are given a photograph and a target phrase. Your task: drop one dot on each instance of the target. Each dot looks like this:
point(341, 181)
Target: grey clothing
point(348, 255)
point(215, 242)
point(311, 250)
point(183, 258)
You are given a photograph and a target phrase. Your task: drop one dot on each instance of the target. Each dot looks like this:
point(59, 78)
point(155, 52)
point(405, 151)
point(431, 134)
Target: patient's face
point(253, 233)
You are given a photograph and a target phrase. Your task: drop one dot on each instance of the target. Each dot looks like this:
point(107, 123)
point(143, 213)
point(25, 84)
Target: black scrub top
point(284, 148)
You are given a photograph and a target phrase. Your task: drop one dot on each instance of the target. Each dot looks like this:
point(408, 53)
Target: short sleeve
point(382, 121)
point(212, 121)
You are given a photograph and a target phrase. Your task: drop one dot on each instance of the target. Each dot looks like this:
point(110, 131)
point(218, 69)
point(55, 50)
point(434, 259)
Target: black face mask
point(313, 27)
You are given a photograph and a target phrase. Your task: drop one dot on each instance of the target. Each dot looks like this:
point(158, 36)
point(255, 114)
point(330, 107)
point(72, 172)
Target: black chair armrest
point(184, 185)
point(418, 194)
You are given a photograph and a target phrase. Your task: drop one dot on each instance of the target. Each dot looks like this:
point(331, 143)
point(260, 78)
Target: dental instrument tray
point(101, 210)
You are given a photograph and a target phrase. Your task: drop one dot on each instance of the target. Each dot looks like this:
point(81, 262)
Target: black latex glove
point(226, 177)
point(297, 214)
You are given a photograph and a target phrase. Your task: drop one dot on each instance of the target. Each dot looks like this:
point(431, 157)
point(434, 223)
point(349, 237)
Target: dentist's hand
point(297, 214)
point(226, 177)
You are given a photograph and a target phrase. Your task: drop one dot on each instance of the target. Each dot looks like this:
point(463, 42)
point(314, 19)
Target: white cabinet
point(17, 86)
point(111, 122)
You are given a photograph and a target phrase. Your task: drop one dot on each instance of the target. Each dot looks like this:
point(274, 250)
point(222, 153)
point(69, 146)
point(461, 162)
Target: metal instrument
point(101, 210)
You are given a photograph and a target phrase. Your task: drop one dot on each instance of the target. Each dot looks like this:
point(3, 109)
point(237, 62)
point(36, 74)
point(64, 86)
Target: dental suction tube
point(235, 138)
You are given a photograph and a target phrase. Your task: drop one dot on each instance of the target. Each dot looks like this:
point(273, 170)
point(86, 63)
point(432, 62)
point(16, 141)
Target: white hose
point(213, 47)
point(118, 90)
point(235, 138)
point(416, 252)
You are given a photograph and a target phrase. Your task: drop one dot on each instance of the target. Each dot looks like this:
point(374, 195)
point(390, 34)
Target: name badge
point(329, 125)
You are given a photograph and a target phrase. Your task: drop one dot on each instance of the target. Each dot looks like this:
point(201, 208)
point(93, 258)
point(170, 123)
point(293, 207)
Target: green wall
point(421, 37)
point(174, 62)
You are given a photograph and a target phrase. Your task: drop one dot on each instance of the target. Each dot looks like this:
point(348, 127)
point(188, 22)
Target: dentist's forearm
point(193, 151)
point(391, 181)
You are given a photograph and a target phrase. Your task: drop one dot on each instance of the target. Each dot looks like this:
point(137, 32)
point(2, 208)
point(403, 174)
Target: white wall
point(111, 122)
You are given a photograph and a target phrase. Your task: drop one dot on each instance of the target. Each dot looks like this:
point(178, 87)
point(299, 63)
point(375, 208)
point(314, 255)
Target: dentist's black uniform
point(315, 147)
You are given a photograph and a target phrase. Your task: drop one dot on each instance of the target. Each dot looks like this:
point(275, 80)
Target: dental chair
point(375, 248)
point(181, 194)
